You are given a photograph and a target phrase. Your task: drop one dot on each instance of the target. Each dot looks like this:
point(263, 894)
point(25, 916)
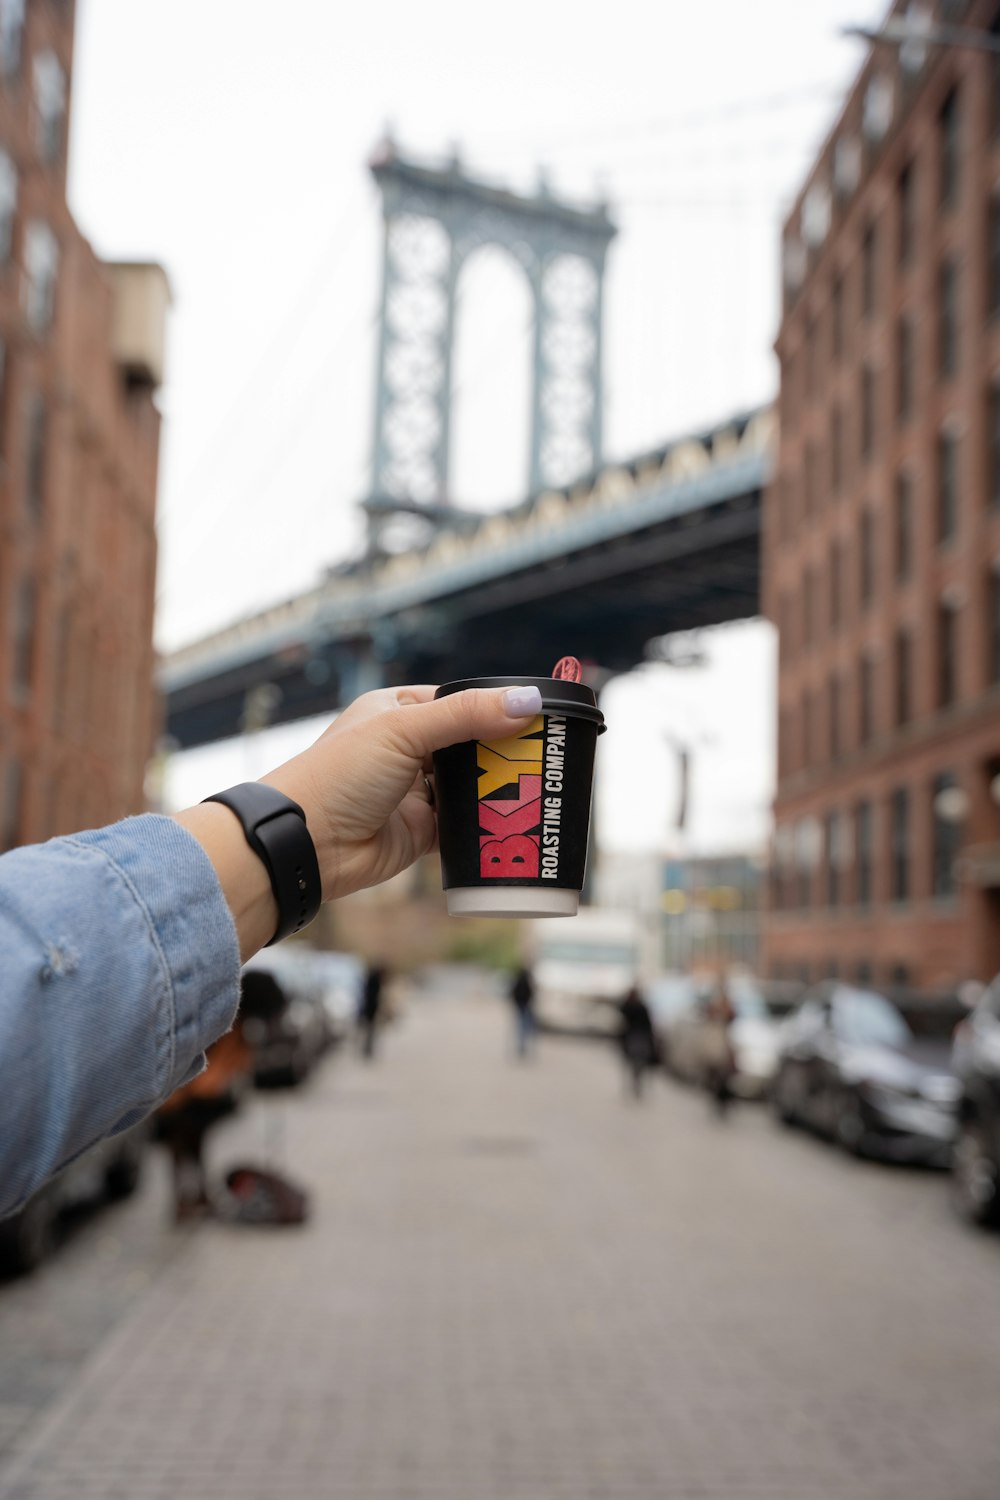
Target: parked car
point(341, 978)
point(851, 1068)
point(286, 1023)
point(109, 1171)
point(976, 1158)
point(753, 1036)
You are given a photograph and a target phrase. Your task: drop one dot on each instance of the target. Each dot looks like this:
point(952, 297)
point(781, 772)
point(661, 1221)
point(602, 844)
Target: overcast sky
point(228, 139)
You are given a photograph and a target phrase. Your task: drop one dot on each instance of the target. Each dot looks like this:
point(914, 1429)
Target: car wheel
point(782, 1100)
point(26, 1239)
point(975, 1190)
point(848, 1123)
point(122, 1177)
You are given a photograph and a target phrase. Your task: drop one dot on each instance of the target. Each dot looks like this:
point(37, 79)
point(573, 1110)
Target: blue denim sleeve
point(120, 965)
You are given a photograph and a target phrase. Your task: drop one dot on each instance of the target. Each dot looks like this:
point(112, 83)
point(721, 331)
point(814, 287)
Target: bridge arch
point(435, 219)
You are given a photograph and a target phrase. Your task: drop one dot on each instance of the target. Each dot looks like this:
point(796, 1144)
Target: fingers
point(475, 714)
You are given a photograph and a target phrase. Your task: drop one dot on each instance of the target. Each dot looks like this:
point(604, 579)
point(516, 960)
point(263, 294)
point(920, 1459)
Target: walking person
point(522, 994)
point(719, 1058)
point(370, 1010)
point(637, 1040)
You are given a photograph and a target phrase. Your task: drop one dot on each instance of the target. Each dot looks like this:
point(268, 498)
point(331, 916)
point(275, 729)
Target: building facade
point(881, 549)
point(80, 358)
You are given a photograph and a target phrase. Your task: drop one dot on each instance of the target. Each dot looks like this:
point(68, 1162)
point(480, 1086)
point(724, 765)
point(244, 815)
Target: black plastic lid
point(572, 699)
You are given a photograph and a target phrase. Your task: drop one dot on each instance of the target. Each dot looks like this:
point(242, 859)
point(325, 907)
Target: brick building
point(80, 357)
point(882, 533)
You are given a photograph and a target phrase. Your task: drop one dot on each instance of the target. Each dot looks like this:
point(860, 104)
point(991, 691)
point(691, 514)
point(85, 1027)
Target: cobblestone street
point(516, 1285)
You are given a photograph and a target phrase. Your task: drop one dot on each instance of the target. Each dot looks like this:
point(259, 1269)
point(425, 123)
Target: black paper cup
point(514, 813)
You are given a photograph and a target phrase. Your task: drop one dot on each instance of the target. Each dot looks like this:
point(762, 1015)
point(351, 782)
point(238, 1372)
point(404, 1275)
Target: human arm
point(122, 946)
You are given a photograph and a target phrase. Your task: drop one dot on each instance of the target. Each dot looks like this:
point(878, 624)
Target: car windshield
point(668, 996)
point(747, 1000)
point(603, 952)
point(869, 1020)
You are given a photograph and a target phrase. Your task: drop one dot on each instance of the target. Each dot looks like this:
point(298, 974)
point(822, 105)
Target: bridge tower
point(434, 219)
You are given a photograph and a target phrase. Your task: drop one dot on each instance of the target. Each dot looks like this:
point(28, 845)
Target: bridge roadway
point(667, 542)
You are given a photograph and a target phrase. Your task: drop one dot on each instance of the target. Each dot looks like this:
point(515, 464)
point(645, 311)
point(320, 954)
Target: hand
point(362, 787)
point(363, 784)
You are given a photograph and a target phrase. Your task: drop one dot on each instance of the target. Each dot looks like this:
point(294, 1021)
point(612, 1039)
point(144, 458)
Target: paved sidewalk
point(519, 1286)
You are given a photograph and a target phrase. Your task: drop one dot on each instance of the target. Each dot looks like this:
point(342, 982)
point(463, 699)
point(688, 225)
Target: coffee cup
point(514, 813)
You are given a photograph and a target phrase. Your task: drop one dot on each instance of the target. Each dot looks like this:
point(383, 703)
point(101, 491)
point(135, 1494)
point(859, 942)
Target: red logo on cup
point(567, 669)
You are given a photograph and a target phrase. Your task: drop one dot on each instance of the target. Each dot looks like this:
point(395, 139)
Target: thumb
point(473, 714)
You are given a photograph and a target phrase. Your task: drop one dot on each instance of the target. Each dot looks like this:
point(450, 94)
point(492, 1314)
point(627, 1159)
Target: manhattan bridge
point(599, 559)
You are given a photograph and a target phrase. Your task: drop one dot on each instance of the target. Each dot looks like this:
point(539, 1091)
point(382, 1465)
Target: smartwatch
point(275, 828)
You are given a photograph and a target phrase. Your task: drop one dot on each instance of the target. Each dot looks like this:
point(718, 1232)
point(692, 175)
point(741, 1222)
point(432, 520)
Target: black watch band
point(275, 829)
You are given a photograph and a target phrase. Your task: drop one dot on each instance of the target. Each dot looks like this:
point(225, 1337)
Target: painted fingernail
point(521, 701)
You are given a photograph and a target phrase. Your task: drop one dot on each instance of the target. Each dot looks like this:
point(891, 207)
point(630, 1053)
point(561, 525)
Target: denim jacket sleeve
point(120, 966)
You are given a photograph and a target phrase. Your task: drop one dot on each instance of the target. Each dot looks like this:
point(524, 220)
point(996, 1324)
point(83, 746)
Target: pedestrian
point(717, 1055)
point(637, 1040)
point(184, 1120)
point(121, 946)
point(522, 994)
point(370, 1009)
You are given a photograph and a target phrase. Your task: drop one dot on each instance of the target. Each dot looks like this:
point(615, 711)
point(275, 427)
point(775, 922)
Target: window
point(789, 390)
point(948, 319)
point(907, 202)
point(784, 741)
point(836, 585)
point(8, 206)
point(834, 715)
point(866, 699)
point(23, 639)
point(866, 558)
point(34, 474)
point(867, 1020)
point(784, 623)
point(993, 259)
point(947, 634)
point(906, 348)
point(947, 478)
point(810, 489)
point(836, 450)
point(863, 853)
point(869, 272)
point(837, 318)
point(10, 830)
point(833, 858)
point(950, 150)
point(904, 527)
point(11, 28)
point(808, 730)
point(899, 833)
point(903, 654)
point(807, 837)
point(947, 813)
point(993, 623)
point(50, 105)
point(812, 357)
point(809, 609)
point(993, 441)
point(64, 638)
point(41, 260)
point(867, 413)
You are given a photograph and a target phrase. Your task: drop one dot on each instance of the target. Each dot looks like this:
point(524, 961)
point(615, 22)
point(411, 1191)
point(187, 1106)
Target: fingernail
point(521, 701)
